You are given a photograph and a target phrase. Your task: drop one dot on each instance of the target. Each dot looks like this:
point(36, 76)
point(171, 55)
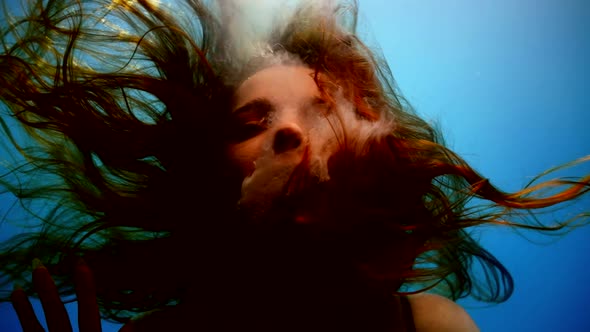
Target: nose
point(287, 139)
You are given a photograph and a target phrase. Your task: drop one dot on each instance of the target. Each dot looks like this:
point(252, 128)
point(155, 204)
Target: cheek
point(242, 155)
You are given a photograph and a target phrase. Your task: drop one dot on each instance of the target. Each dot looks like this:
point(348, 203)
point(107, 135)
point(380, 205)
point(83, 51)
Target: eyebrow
point(262, 106)
point(258, 105)
point(317, 100)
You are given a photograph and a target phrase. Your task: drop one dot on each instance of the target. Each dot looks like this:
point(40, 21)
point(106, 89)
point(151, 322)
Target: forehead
point(278, 84)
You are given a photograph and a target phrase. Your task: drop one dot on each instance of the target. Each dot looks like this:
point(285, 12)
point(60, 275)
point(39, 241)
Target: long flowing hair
point(115, 115)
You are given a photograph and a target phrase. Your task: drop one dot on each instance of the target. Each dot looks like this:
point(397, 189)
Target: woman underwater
point(229, 181)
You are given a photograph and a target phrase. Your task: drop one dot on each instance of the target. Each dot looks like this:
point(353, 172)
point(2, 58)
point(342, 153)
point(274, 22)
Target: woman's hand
point(55, 313)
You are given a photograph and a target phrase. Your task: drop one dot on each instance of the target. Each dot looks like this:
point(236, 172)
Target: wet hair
point(116, 114)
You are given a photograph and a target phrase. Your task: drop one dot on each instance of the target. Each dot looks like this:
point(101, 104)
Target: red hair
point(108, 168)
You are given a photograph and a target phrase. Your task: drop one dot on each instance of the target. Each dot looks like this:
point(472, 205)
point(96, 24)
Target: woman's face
point(279, 120)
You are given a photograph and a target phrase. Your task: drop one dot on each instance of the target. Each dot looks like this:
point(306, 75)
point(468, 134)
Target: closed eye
point(251, 119)
point(323, 105)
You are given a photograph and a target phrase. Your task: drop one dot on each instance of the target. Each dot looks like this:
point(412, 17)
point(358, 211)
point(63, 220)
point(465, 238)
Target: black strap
point(401, 310)
point(408, 317)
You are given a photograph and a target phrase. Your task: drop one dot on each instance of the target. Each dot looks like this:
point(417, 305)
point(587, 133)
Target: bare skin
point(55, 313)
point(432, 313)
point(285, 99)
point(282, 112)
point(279, 118)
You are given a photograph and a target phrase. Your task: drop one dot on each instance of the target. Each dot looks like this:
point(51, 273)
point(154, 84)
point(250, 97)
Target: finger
point(24, 311)
point(88, 313)
point(56, 315)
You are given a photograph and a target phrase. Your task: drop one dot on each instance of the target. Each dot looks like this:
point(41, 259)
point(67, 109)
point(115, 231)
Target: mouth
point(261, 188)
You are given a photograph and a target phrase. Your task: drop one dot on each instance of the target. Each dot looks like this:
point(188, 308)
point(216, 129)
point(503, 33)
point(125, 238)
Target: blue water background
point(508, 82)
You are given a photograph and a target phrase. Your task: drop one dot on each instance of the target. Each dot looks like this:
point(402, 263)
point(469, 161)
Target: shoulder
point(434, 313)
